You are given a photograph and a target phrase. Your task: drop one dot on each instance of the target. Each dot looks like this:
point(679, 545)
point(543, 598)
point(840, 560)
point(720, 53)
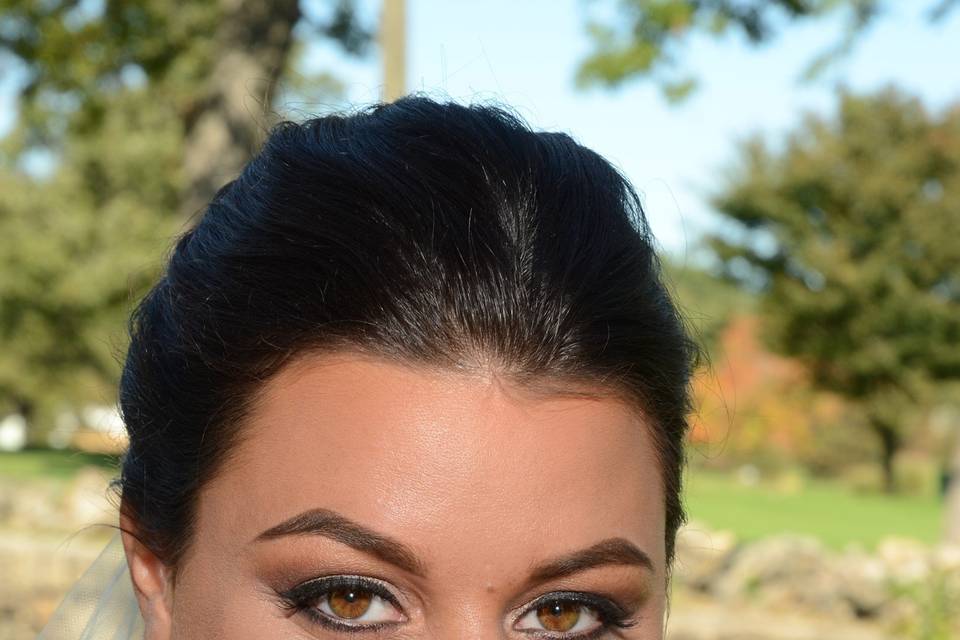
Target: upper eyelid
point(374, 582)
point(584, 598)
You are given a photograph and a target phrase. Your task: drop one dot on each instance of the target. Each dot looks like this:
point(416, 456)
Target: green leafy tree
point(848, 229)
point(707, 302)
point(646, 38)
point(142, 109)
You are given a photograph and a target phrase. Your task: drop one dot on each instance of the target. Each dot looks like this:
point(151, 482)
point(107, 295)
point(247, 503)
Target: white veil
point(101, 605)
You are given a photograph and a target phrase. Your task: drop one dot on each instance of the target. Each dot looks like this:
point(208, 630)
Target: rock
point(51, 506)
point(907, 561)
point(863, 584)
point(701, 555)
point(702, 619)
point(37, 570)
point(29, 507)
point(946, 557)
point(784, 572)
point(86, 500)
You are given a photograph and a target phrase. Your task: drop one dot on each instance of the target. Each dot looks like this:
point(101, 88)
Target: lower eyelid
point(320, 619)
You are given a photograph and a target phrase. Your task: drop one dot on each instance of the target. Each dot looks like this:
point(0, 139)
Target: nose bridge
point(467, 630)
point(468, 619)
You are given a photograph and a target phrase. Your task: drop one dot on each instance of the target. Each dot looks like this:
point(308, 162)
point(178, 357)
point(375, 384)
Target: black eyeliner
point(610, 614)
point(315, 588)
point(304, 597)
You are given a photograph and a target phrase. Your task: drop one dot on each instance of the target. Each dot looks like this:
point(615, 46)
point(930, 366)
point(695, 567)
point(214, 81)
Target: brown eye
point(562, 617)
point(349, 603)
point(559, 616)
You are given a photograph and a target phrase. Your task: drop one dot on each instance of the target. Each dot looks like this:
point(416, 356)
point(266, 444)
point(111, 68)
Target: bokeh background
point(799, 163)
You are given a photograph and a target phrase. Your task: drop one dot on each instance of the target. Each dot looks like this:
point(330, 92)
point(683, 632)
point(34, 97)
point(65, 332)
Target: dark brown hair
point(422, 231)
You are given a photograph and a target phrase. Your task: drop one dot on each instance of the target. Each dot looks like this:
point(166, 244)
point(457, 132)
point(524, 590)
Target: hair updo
point(420, 231)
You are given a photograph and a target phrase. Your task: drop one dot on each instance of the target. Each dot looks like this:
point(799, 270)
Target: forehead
point(443, 461)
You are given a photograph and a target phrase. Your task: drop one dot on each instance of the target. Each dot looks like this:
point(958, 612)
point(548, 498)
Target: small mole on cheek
point(491, 588)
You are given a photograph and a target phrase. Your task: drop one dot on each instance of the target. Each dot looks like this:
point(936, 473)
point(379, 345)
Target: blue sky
point(525, 52)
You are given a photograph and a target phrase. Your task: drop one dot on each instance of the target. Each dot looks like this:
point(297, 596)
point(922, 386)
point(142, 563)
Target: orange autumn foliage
point(751, 400)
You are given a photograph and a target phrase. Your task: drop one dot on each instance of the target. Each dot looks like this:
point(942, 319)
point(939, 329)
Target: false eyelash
point(610, 614)
point(304, 596)
point(315, 588)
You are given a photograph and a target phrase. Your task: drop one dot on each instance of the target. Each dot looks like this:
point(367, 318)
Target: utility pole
point(393, 48)
point(949, 416)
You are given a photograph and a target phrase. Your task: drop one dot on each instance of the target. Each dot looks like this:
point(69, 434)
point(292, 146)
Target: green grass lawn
point(830, 512)
point(39, 464)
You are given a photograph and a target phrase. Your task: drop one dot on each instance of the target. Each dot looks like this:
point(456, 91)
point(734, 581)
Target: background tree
point(646, 38)
point(848, 229)
point(716, 301)
point(141, 110)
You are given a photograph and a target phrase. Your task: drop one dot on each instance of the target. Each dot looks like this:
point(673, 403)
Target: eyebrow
point(324, 522)
point(612, 551)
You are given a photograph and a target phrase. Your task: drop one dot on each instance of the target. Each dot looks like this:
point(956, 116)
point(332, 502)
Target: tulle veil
point(101, 605)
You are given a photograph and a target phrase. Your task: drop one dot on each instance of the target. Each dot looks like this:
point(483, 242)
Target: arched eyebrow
point(612, 551)
point(324, 522)
point(328, 523)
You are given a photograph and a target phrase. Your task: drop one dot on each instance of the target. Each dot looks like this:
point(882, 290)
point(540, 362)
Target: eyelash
point(303, 598)
point(609, 614)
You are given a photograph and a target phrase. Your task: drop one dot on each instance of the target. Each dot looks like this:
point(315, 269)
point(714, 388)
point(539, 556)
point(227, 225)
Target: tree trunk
point(228, 124)
point(889, 446)
point(952, 496)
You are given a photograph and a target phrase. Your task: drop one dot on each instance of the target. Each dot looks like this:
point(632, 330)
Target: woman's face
point(371, 500)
